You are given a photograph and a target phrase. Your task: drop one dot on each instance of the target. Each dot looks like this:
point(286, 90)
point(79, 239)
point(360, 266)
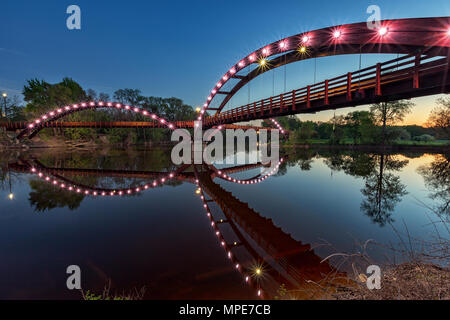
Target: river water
point(101, 211)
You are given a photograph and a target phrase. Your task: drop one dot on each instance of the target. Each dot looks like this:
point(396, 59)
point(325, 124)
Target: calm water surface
point(162, 238)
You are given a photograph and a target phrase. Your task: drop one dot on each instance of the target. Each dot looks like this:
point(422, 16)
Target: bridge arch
point(40, 123)
point(401, 36)
point(33, 127)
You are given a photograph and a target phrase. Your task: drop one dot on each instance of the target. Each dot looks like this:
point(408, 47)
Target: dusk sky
point(179, 48)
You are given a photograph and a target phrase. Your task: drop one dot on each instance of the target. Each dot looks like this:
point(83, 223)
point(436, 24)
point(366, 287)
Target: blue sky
point(171, 48)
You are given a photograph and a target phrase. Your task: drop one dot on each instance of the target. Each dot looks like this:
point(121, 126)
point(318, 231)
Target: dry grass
point(134, 294)
point(407, 281)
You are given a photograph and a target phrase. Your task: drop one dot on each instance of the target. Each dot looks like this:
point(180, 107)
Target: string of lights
point(246, 274)
point(91, 191)
point(327, 36)
point(260, 179)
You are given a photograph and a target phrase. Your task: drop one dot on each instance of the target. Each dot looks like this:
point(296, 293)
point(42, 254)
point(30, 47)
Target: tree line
point(376, 126)
point(41, 97)
point(379, 125)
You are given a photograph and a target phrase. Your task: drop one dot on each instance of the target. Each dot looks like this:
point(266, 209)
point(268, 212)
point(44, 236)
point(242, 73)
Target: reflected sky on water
point(163, 239)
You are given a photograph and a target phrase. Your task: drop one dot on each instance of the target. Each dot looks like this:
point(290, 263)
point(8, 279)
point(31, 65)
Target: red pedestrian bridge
point(422, 69)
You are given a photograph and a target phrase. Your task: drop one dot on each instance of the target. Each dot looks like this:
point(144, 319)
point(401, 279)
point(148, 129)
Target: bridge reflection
point(269, 259)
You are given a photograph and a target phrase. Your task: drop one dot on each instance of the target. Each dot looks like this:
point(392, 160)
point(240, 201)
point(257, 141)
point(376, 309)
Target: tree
point(338, 123)
point(439, 118)
point(389, 113)
point(14, 110)
point(306, 131)
point(128, 96)
point(42, 96)
point(360, 125)
point(324, 130)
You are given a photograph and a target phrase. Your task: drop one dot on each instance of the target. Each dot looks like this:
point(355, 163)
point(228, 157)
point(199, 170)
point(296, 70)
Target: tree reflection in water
point(383, 190)
point(45, 197)
point(437, 179)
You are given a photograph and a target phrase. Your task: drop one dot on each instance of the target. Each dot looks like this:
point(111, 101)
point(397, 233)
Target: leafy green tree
point(338, 124)
point(324, 130)
point(360, 125)
point(389, 113)
point(42, 96)
point(128, 96)
point(402, 134)
point(306, 131)
point(424, 138)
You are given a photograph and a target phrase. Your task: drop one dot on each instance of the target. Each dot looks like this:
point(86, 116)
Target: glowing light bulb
point(302, 49)
point(383, 31)
point(262, 62)
point(305, 39)
point(337, 34)
point(282, 45)
point(11, 196)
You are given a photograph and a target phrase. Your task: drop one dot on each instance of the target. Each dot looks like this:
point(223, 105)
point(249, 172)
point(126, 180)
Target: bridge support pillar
point(378, 80)
point(327, 101)
point(281, 103)
point(349, 86)
point(293, 99)
point(416, 72)
point(308, 97)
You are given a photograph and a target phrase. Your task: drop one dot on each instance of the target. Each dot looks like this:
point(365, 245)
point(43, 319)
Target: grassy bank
point(348, 142)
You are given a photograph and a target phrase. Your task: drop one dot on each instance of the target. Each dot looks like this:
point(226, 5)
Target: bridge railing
point(406, 67)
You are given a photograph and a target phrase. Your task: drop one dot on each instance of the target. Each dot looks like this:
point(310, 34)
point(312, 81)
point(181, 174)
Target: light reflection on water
point(161, 238)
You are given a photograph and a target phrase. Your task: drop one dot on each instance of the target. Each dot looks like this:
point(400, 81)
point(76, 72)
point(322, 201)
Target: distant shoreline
point(390, 148)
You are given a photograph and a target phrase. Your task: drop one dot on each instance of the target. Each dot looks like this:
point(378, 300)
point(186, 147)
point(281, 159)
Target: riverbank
point(407, 281)
point(373, 148)
point(9, 142)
